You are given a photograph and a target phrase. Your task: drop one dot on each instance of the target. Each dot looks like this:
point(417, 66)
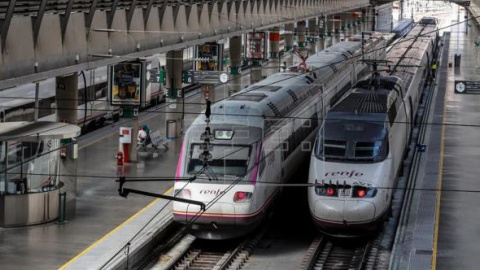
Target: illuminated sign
point(208, 57)
point(256, 46)
point(126, 82)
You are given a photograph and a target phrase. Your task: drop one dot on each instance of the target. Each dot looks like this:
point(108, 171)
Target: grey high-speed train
point(360, 147)
point(261, 134)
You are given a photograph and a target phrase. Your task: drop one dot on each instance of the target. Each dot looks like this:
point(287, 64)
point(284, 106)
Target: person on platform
point(434, 69)
point(142, 134)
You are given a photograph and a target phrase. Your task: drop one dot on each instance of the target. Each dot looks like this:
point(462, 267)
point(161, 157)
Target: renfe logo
point(211, 192)
point(350, 174)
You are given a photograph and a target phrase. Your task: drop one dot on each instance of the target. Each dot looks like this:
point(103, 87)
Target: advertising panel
point(126, 83)
point(208, 57)
point(256, 46)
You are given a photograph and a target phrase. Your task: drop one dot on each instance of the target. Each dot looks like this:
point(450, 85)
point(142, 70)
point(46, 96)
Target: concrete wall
point(165, 26)
point(384, 18)
point(18, 54)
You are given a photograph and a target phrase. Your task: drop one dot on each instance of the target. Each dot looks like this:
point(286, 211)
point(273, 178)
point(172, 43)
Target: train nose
point(358, 211)
point(344, 211)
point(328, 209)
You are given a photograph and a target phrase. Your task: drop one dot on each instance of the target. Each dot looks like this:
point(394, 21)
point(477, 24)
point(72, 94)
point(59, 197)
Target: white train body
point(361, 145)
point(262, 134)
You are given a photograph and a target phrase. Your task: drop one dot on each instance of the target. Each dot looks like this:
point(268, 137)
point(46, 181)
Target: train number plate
point(344, 192)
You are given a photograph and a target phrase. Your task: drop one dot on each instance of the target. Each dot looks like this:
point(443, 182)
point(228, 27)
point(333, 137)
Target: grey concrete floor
point(459, 223)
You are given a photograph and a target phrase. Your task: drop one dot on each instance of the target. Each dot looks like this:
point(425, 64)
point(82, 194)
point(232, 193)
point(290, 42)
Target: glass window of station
point(29, 167)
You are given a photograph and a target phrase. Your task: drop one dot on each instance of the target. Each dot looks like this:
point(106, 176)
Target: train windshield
point(352, 141)
point(228, 161)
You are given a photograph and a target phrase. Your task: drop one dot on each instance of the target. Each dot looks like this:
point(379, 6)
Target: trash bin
point(457, 60)
point(171, 129)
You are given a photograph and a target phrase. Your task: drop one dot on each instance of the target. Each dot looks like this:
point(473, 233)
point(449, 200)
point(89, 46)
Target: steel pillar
point(174, 111)
point(274, 37)
point(289, 36)
point(66, 94)
point(301, 33)
point(235, 84)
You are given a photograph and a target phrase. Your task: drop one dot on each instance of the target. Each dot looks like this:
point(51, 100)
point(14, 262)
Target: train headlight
point(223, 134)
point(364, 192)
point(242, 196)
point(327, 190)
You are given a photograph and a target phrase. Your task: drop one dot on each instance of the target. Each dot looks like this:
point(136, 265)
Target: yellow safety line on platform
point(111, 232)
point(439, 186)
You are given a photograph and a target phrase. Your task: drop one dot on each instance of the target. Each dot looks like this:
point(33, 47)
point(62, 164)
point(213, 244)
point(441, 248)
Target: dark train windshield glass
point(228, 161)
point(352, 141)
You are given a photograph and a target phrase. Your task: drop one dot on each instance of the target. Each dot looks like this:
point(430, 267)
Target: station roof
point(33, 131)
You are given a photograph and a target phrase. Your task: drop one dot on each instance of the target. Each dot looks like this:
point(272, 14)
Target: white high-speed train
point(261, 134)
point(360, 146)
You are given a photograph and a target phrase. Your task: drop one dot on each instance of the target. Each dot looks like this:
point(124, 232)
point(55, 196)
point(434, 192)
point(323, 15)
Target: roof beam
point(37, 21)
point(146, 11)
point(133, 5)
point(66, 17)
point(6, 22)
point(111, 13)
point(91, 14)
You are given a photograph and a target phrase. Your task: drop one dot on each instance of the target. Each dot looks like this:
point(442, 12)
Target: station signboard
point(205, 77)
point(467, 87)
point(126, 81)
point(256, 46)
point(209, 57)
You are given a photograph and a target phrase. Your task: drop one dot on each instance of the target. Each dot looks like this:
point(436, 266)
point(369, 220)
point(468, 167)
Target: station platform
point(441, 228)
point(458, 215)
point(105, 222)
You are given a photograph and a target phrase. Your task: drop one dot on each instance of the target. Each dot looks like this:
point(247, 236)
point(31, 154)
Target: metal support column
point(235, 84)
point(67, 98)
point(175, 115)
point(301, 33)
point(274, 38)
point(289, 36)
point(312, 35)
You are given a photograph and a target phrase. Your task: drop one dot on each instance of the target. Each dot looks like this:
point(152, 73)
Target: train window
point(2, 116)
point(368, 149)
point(334, 148)
point(227, 160)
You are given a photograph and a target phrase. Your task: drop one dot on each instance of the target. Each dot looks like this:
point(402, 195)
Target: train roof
point(363, 102)
point(428, 20)
point(279, 94)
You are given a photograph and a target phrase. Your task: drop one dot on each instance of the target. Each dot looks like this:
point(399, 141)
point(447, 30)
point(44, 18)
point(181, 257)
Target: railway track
point(325, 254)
point(188, 253)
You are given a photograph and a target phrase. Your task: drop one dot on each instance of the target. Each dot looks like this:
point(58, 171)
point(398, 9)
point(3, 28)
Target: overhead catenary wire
point(156, 109)
point(216, 199)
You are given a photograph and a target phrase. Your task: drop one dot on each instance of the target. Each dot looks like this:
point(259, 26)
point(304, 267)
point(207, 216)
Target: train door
point(273, 163)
